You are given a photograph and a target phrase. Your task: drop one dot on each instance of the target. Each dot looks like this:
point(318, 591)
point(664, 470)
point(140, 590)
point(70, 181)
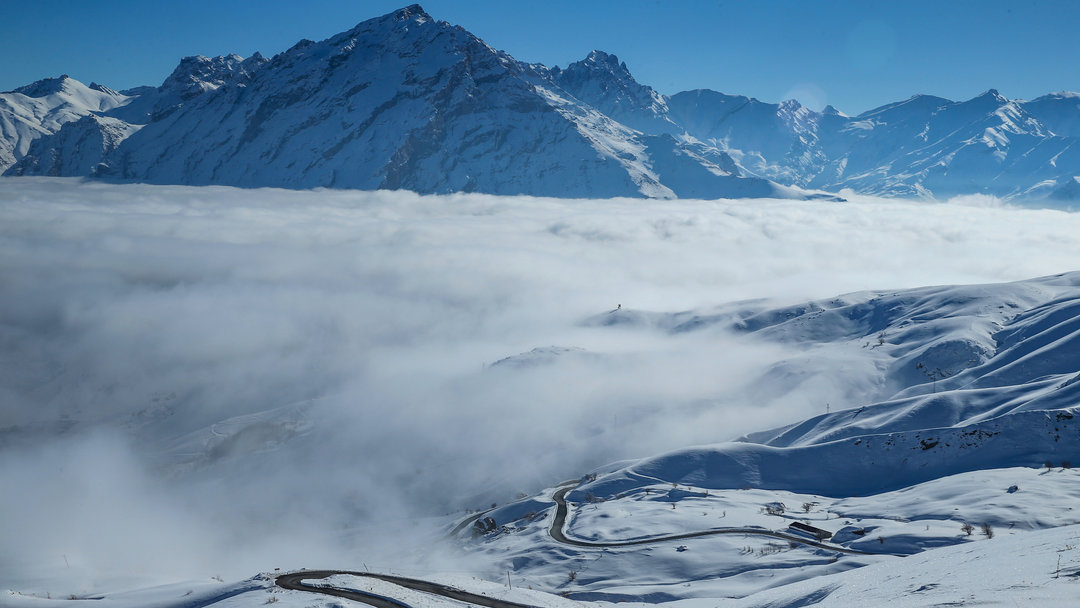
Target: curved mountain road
point(295, 580)
point(562, 511)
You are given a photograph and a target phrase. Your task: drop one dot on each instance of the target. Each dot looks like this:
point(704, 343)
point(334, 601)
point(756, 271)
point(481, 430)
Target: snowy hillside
point(958, 408)
point(944, 381)
point(42, 108)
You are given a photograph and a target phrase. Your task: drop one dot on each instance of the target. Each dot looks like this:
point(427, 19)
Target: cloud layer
point(207, 364)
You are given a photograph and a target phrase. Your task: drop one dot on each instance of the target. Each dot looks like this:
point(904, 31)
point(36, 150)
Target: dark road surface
point(561, 512)
point(295, 580)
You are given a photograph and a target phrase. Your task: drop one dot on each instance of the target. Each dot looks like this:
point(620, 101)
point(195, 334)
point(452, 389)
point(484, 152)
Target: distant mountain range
point(408, 102)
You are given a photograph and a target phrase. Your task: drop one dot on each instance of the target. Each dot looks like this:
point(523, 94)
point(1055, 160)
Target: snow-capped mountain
point(408, 102)
point(42, 108)
point(925, 146)
point(774, 140)
point(399, 102)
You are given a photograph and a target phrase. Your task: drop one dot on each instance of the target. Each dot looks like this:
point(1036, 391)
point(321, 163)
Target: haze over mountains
point(408, 102)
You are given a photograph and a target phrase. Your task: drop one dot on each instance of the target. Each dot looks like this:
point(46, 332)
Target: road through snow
point(562, 510)
point(295, 580)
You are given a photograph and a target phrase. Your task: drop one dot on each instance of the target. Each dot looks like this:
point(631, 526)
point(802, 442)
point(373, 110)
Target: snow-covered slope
point(43, 107)
point(962, 426)
point(1036, 569)
point(987, 144)
point(773, 140)
point(77, 147)
point(958, 379)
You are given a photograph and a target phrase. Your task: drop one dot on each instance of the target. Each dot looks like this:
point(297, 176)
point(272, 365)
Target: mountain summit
point(399, 102)
point(405, 101)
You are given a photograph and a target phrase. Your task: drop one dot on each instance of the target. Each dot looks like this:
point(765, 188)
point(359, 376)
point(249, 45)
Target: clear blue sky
point(853, 54)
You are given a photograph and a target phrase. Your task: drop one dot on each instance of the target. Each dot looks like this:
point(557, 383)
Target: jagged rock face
point(601, 81)
point(405, 101)
point(199, 74)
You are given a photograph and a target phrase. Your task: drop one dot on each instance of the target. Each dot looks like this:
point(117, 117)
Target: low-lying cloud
point(265, 376)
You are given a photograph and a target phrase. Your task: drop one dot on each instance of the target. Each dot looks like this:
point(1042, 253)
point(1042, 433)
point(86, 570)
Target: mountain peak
point(385, 27)
point(597, 64)
point(197, 73)
point(598, 56)
point(412, 12)
point(44, 87)
point(605, 83)
point(102, 89)
point(992, 94)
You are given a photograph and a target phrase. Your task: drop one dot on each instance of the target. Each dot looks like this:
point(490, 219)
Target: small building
point(808, 530)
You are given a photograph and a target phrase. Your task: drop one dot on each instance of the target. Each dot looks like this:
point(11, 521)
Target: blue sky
point(854, 55)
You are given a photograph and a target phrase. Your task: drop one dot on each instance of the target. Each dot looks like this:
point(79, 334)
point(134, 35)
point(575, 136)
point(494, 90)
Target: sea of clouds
point(350, 336)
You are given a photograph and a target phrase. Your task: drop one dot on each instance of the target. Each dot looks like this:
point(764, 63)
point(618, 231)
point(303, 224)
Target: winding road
point(295, 580)
point(562, 510)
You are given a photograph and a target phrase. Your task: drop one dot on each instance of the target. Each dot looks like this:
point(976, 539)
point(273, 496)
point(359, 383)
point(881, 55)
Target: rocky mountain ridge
point(405, 101)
